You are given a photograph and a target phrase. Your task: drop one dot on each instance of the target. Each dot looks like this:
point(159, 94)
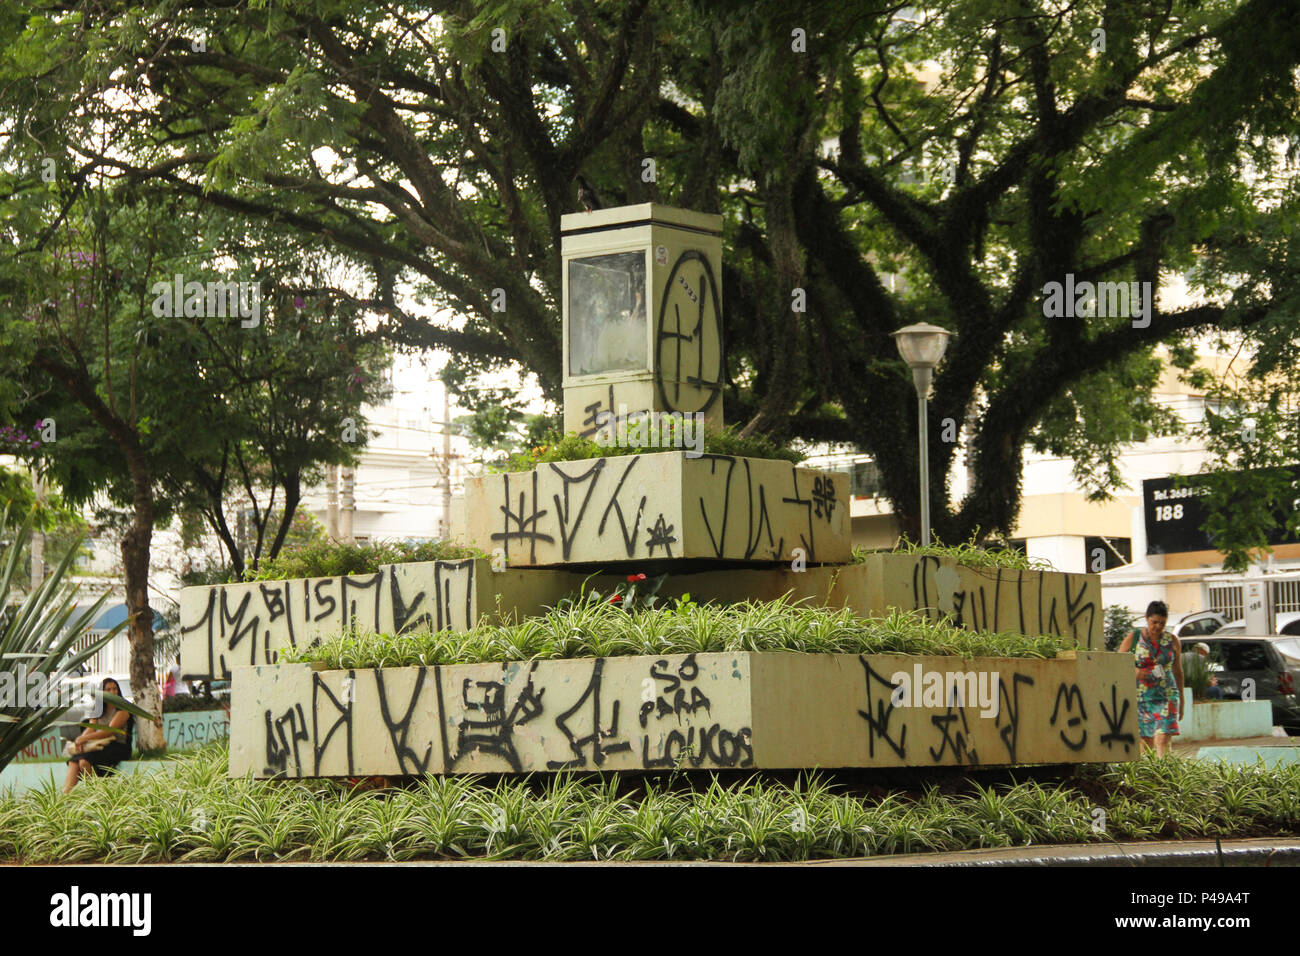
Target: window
point(1227, 600)
point(864, 479)
point(1246, 656)
point(607, 317)
point(1286, 596)
point(1206, 625)
point(1221, 408)
point(1115, 552)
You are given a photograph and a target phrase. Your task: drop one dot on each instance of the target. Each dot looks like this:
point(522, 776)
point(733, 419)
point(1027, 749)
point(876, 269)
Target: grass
point(604, 630)
point(194, 813)
point(970, 554)
point(331, 559)
point(573, 447)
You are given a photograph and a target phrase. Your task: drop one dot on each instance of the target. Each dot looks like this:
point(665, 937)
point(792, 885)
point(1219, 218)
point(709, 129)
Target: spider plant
point(603, 630)
point(193, 813)
point(38, 633)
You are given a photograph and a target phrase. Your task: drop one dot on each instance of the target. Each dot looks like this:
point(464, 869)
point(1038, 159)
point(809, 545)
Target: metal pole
point(924, 432)
point(446, 462)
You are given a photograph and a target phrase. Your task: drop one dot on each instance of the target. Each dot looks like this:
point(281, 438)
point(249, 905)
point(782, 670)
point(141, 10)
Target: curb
point(1263, 851)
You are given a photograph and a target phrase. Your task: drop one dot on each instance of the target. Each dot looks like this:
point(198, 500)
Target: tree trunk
point(135, 564)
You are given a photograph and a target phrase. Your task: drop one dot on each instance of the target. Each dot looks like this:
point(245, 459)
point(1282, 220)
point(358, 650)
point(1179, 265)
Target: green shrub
point(185, 703)
point(1196, 673)
point(189, 811)
point(573, 447)
point(1119, 621)
point(41, 643)
point(971, 554)
point(603, 630)
point(332, 560)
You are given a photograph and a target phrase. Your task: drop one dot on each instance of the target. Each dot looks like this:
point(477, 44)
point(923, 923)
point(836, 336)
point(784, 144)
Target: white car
point(1288, 623)
point(1198, 623)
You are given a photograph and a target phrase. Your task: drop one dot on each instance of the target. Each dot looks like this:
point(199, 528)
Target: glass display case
point(607, 313)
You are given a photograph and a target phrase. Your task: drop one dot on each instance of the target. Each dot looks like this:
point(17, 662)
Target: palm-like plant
point(37, 636)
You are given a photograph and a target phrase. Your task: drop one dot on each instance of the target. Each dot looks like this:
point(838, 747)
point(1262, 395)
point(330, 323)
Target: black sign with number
point(1175, 512)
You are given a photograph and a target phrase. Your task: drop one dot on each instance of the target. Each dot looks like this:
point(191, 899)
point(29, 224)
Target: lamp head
point(922, 345)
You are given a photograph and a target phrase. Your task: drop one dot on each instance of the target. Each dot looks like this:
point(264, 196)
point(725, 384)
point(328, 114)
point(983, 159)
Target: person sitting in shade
point(1213, 691)
point(86, 756)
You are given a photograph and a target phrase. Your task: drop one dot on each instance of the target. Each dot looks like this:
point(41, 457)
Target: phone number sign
point(1174, 512)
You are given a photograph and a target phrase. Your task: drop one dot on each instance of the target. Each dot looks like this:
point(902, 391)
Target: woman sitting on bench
point(118, 726)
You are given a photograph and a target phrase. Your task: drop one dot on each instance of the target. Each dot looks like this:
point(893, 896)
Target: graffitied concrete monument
point(643, 341)
point(243, 624)
point(661, 506)
point(719, 711)
point(642, 314)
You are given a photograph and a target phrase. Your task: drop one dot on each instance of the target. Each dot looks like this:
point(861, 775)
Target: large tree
point(941, 161)
point(161, 401)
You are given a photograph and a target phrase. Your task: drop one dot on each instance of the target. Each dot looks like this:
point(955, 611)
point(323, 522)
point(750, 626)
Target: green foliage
point(209, 573)
point(191, 812)
point(940, 161)
point(729, 442)
point(188, 703)
point(63, 526)
point(1253, 478)
point(1119, 621)
point(37, 636)
point(1091, 423)
point(636, 592)
point(328, 559)
point(602, 629)
point(1196, 672)
point(971, 554)
point(573, 447)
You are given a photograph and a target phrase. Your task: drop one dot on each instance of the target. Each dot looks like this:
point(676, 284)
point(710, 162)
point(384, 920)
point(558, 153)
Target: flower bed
point(195, 814)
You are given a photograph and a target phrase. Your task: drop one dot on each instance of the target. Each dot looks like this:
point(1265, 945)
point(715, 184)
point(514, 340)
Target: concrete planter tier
point(666, 505)
point(1224, 719)
point(227, 625)
point(715, 711)
point(981, 599)
point(231, 624)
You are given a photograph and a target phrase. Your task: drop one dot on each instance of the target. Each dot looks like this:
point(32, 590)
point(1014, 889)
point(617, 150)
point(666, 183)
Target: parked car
point(1273, 663)
point(85, 688)
point(1198, 622)
point(1287, 623)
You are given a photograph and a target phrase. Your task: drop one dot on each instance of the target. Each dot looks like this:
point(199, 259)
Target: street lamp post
point(922, 346)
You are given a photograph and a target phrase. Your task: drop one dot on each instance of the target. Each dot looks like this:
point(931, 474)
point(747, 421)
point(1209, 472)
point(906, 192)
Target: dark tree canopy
point(896, 162)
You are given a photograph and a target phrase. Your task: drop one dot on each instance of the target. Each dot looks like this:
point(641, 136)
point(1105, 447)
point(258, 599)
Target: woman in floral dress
point(1159, 660)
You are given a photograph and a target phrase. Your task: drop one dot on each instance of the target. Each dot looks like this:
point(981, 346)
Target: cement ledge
point(1254, 851)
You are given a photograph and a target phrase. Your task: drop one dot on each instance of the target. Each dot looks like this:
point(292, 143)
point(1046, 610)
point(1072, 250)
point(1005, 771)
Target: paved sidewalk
point(1188, 748)
point(1258, 851)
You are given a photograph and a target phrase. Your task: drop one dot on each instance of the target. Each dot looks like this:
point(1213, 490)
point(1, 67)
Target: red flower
point(636, 577)
point(615, 598)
